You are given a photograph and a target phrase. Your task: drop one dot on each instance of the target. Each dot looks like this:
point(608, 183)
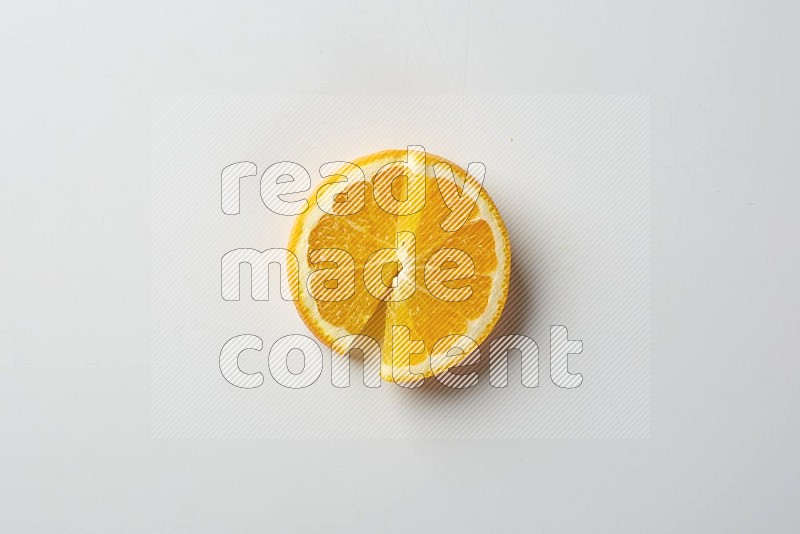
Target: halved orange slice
point(398, 289)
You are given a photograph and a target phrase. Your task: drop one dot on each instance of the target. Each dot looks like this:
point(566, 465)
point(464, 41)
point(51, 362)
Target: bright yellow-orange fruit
point(415, 313)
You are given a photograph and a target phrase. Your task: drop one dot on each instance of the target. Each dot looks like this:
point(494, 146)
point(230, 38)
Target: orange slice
point(427, 286)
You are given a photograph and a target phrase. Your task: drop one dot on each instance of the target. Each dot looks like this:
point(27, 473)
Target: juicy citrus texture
point(408, 330)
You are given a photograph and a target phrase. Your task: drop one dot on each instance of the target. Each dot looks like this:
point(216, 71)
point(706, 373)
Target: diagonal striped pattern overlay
point(570, 356)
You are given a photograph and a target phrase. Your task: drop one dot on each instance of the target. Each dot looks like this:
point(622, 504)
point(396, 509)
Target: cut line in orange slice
point(427, 289)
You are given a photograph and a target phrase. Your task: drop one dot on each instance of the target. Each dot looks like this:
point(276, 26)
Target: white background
point(75, 449)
